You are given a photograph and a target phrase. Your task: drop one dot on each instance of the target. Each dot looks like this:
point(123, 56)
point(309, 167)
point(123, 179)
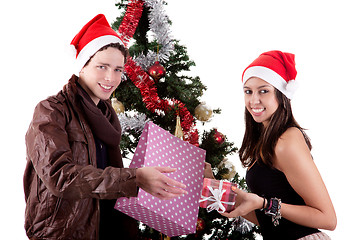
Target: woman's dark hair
point(118, 46)
point(259, 142)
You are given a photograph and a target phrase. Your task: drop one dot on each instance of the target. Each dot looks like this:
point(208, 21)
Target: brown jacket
point(61, 181)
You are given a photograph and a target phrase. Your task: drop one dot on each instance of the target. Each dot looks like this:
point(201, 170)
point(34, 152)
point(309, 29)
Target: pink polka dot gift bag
point(158, 147)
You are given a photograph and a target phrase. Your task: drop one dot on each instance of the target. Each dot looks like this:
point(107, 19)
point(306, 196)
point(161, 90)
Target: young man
point(74, 169)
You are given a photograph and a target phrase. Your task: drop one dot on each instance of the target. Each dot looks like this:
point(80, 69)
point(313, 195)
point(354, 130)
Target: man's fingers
point(169, 181)
point(164, 194)
point(155, 182)
point(175, 190)
point(171, 187)
point(172, 183)
point(165, 169)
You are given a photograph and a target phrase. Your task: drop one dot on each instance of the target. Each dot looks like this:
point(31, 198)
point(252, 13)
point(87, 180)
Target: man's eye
point(101, 67)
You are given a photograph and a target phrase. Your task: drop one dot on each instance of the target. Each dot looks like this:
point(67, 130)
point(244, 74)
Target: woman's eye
point(247, 92)
point(264, 91)
point(101, 67)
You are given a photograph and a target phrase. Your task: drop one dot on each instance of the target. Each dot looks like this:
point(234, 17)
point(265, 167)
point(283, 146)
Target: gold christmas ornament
point(178, 129)
point(230, 166)
point(167, 238)
point(117, 105)
point(203, 112)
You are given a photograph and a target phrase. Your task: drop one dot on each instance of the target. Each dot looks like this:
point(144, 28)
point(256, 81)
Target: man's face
point(102, 75)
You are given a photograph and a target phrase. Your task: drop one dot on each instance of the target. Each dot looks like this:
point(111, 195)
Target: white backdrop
point(222, 37)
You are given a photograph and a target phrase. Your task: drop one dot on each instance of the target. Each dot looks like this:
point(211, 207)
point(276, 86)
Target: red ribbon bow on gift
point(217, 196)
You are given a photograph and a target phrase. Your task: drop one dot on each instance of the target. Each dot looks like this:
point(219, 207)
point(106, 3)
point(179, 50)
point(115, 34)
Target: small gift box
point(177, 216)
point(217, 195)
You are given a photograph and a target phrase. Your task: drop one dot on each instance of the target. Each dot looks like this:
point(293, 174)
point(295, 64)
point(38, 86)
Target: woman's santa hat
point(94, 35)
point(276, 68)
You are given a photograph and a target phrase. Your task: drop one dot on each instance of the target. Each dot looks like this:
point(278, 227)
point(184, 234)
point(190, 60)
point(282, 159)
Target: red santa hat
point(276, 68)
point(94, 35)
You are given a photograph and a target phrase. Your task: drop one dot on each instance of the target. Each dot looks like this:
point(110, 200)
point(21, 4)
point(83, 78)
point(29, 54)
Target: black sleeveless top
point(270, 182)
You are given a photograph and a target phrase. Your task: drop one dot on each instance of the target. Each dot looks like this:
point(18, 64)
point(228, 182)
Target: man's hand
point(153, 181)
point(208, 171)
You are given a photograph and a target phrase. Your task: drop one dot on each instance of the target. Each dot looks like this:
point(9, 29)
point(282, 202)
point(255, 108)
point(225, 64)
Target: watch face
point(270, 213)
point(274, 207)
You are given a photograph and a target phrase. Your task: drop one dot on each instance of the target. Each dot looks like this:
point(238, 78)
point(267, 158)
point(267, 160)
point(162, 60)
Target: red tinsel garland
point(130, 21)
point(147, 86)
point(154, 103)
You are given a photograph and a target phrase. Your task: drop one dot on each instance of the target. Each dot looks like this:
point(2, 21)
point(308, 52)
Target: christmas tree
point(157, 87)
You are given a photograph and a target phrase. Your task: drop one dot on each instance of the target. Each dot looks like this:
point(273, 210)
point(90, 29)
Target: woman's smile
point(257, 111)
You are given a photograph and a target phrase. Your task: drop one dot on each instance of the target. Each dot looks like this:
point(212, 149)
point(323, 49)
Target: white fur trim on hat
point(91, 48)
point(271, 77)
point(72, 51)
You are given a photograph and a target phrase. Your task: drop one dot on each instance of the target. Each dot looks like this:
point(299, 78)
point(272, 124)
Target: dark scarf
point(104, 124)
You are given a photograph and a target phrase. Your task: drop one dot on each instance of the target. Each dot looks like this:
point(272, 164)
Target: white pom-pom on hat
point(292, 86)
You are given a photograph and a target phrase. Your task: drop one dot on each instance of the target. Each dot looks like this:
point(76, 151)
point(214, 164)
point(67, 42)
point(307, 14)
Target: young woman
point(74, 170)
point(288, 197)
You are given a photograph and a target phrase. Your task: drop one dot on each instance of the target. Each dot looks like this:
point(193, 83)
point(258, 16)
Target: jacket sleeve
point(49, 150)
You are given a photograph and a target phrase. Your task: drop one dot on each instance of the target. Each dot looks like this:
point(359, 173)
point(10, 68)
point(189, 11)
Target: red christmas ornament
point(219, 137)
point(200, 224)
point(157, 71)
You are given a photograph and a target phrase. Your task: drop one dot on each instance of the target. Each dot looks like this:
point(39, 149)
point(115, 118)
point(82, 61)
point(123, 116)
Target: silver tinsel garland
point(132, 121)
point(242, 225)
point(160, 27)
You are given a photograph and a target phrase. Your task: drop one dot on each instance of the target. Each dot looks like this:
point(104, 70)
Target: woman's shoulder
point(290, 144)
point(291, 137)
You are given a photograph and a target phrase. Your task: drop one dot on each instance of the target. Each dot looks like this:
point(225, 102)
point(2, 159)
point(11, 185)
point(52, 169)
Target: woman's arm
point(293, 158)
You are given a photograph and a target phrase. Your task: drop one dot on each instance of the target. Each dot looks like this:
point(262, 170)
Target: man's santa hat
point(276, 68)
point(94, 35)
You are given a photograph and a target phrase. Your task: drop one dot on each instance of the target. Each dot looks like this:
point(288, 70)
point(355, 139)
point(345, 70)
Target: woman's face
point(260, 100)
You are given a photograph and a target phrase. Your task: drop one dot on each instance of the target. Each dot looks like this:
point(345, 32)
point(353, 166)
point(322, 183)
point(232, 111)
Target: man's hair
point(118, 46)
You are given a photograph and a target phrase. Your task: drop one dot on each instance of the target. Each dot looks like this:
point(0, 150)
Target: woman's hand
point(245, 203)
point(153, 181)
